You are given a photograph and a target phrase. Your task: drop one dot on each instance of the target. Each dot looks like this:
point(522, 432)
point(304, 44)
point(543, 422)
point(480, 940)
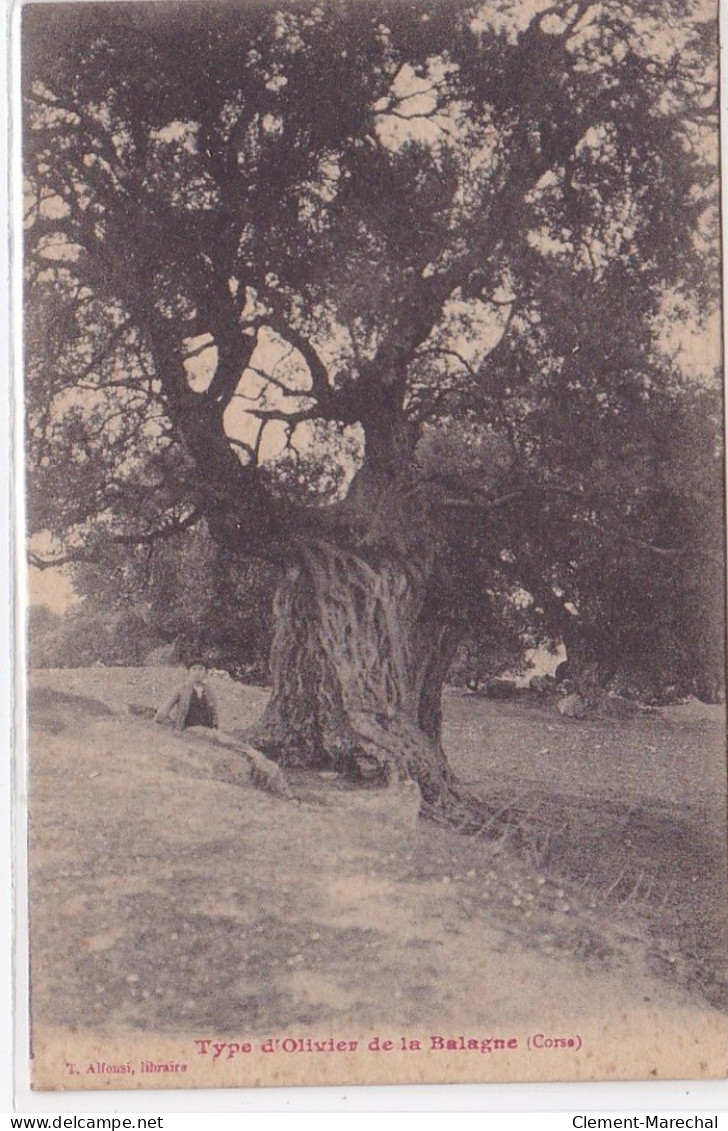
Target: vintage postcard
point(372, 384)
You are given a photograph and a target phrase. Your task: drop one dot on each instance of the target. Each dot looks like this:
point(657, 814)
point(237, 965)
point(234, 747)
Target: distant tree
point(483, 655)
point(84, 638)
point(635, 589)
point(186, 594)
point(437, 248)
point(42, 634)
point(42, 619)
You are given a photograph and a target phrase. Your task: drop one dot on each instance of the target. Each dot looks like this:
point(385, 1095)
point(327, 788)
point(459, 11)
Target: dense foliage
point(415, 281)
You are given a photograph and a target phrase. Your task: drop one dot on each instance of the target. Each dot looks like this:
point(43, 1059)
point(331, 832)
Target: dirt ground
point(167, 894)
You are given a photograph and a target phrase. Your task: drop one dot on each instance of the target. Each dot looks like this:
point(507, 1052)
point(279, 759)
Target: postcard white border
point(15, 1094)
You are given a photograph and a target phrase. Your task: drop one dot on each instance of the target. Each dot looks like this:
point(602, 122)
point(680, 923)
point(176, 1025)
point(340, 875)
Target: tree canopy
point(410, 280)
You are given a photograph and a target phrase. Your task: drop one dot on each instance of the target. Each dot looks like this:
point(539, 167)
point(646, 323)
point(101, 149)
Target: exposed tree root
point(386, 749)
point(381, 751)
point(264, 773)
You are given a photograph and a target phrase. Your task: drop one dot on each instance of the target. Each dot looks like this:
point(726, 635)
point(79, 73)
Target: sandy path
point(167, 902)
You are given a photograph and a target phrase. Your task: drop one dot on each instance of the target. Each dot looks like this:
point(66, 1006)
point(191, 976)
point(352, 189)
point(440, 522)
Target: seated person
point(194, 703)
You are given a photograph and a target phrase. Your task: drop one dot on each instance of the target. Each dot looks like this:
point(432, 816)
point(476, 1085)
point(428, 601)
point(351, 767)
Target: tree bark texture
point(358, 663)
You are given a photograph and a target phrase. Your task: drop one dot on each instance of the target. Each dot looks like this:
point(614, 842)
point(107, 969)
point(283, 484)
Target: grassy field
point(634, 810)
point(168, 894)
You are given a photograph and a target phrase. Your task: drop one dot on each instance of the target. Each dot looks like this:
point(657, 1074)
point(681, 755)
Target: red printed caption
point(229, 1050)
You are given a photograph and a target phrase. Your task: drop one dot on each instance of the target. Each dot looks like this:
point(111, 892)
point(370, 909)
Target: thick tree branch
point(485, 506)
point(321, 387)
point(168, 530)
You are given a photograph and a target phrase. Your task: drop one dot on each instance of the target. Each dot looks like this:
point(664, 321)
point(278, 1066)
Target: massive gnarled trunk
point(359, 657)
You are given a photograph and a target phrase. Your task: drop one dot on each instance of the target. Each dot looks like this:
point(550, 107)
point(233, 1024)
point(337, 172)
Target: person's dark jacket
point(179, 703)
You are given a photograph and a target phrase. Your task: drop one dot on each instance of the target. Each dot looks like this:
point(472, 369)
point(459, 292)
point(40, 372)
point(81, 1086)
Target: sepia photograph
point(375, 529)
